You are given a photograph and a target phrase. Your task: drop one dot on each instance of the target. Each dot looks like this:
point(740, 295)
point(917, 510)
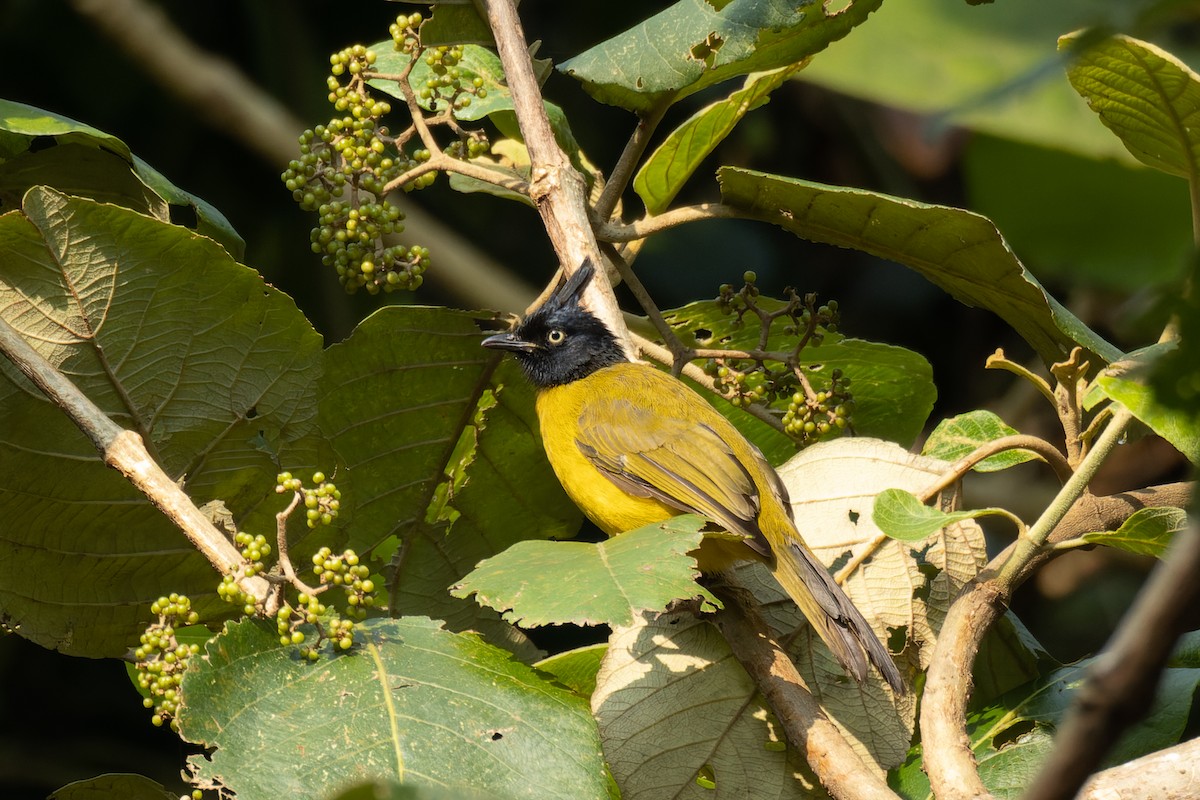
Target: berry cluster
point(811, 413)
point(320, 504)
point(334, 570)
point(161, 659)
point(347, 166)
point(808, 419)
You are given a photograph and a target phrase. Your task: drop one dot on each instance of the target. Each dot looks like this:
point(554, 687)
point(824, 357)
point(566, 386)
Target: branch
point(220, 95)
point(622, 232)
point(1170, 773)
point(831, 757)
point(557, 188)
point(948, 758)
point(1121, 682)
point(125, 452)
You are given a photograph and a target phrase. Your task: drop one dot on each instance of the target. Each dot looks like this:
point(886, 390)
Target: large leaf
point(671, 164)
point(445, 467)
point(172, 339)
point(610, 581)
point(957, 250)
point(1146, 96)
point(893, 387)
point(679, 717)
point(696, 43)
point(41, 148)
point(413, 703)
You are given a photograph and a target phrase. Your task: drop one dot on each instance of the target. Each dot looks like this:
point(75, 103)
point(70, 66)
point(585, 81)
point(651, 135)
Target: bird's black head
point(561, 341)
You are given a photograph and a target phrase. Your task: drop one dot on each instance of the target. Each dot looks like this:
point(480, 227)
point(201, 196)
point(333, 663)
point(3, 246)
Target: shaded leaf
point(694, 44)
point(412, 703)
point(444, 466)
point(673, 703)
point(893, 387)
point(672, 163)
point(957, 250)
point(78, 159)
point(172, 339)
point(1146, 96)
point(387, 790)
point(575, 669)
point(1147, 532)
point(1127, 382)
point(610, 581)
point(901, 515)
point(958, 437)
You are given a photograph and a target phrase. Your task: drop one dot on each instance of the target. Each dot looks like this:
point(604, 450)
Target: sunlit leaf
point(960, 436)
point(957, 250)
point(610, 581)
point(1147, 532)
point(902, 516)
point(411, 703)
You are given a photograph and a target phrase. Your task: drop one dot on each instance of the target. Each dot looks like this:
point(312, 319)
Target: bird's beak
point(509, 341)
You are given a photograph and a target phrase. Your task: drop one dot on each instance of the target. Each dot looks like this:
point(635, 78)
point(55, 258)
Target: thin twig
point(281, 549)
point(647, 226)
point(623, 170)
point(1034, 444)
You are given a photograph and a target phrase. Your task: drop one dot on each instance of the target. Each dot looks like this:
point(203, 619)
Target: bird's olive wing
point(682, 463)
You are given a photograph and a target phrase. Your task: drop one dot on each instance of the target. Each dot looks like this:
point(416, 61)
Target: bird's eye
point(556, 336)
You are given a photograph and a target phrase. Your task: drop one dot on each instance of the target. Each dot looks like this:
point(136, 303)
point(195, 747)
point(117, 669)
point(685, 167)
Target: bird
point(633, 445)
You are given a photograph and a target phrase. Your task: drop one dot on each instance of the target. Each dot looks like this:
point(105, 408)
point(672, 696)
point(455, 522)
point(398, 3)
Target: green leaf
point(958, 437)
point(1147, 532)
point(107, 787)
point(454, 23)
point(893, 387)
point(411, 703)
point(575, 669)
point(1146, 96)
point(77, 159)
point(389, 790)
point(443, 463)
point(1126, 382)
point(694, 44)
point(671, 165)
point(902, 516)
point(957, 250)
point(673, 704)
point(609, 581)
point(171, 339)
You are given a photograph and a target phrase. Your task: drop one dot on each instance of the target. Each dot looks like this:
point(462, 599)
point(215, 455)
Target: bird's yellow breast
point(559, 409)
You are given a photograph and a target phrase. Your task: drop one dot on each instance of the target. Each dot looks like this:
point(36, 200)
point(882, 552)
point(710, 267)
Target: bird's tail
point(839, 623)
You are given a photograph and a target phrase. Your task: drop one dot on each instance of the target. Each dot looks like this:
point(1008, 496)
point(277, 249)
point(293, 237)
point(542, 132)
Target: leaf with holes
point(694, 44)
point(42, 148)
point(609, 581)
point(172, 339)
point(411, 703)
